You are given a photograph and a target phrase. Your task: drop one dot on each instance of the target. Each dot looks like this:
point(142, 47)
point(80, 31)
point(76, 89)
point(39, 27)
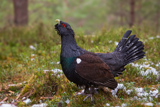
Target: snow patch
point(148, 104)
point(7, 105)
point(79, 93)
point(67, 101)
point(150, 70)
point(124, 105)
point(107, 104)
point(154, 93)
point(39, 105)
point(54, 70)
point(151, 37)
point(110, 41)
point(142, 95)
point(27, 101)
point(116, 43)
point(32, 47)
point(158, 36)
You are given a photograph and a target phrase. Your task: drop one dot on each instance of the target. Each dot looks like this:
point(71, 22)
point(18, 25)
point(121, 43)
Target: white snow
point(54, 70)
point(116, 43)
point(151, 37)
point(27, 101)
point(139, 90)
point(158, 36)
point(158, 64)
point(154, 37)
point(32, 47)
point(79, 93)
point(107, 104)
point(120, 86)
point(123, 105)
point(141, 94)
point(7, 105)
point(39, 105)
point(92, 41)
point(129, 91)
point(114, 92)
point(154, 93)
point(32, 59)
point(23, 98)
point(110, 41)
point(67, 101)
point(32, 55)
point(148, 104)
point(144, 72)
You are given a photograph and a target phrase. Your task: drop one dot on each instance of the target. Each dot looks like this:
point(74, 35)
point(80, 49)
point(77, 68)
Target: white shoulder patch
point(78, 60)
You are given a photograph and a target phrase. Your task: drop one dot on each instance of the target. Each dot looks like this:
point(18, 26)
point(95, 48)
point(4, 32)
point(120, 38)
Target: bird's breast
point(68, 67)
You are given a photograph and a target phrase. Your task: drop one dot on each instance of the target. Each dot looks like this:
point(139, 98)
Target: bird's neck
point(68, 46)
point(68, 40)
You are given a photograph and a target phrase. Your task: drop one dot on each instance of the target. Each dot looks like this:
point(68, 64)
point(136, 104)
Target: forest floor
point(30, 71)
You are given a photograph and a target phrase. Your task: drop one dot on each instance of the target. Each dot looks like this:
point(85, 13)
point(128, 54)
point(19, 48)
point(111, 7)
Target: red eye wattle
point(64, 25)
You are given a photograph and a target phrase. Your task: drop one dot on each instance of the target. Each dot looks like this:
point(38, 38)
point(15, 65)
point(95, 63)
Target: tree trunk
point(132, 13)
point(121, 14)
point(157, 20)
point(20, 12)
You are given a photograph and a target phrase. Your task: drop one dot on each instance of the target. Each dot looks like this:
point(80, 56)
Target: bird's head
point(63, 28)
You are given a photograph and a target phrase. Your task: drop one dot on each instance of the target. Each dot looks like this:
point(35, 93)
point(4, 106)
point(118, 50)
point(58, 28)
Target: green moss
point(41, 84)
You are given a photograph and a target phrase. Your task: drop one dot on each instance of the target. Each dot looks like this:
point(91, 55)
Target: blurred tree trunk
point(132, 13)
point(157, 20)
point(20, 12)
point(157, 16)
point(121, 14)
point(139, 16)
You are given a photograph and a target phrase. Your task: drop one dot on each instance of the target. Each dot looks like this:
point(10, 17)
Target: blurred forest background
point(30, 49)
point(88, 15)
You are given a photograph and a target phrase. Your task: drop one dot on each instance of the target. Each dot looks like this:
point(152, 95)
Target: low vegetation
point(30, 69)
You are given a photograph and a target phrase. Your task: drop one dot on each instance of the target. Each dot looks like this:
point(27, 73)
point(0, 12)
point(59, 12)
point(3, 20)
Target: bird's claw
point(88, 95)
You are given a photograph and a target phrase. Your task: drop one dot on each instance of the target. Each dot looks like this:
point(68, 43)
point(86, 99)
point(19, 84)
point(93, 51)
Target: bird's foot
point(87, 96)
point(88, 92)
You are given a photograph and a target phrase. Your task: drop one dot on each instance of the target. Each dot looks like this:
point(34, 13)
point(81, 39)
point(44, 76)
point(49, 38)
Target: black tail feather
point(123, 40)
point(131, 47)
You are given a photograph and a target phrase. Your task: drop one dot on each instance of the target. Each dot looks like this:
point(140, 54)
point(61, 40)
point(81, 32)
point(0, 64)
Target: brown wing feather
point(93, 69)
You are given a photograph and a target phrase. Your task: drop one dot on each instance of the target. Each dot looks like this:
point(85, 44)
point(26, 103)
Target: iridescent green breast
point(68, 67)
point(67, 63)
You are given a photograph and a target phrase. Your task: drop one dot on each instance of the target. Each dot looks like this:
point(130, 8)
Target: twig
point(46, 98)
point(4, 99)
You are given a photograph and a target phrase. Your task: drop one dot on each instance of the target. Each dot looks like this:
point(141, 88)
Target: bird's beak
point(58, 21)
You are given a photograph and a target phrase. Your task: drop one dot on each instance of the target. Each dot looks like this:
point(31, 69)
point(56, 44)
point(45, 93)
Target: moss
point(41, 84)
point(21, 104)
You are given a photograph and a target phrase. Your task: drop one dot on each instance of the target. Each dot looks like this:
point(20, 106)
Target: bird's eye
point(64, 25)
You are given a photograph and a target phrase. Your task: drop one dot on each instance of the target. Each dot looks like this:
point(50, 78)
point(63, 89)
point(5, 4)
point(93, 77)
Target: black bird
point(95, 69)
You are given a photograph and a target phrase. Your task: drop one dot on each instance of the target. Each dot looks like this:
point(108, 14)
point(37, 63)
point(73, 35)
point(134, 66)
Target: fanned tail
point(131, 47)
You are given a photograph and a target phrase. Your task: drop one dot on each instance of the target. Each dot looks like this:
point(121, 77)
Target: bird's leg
point(88, 93)
point(91, 91)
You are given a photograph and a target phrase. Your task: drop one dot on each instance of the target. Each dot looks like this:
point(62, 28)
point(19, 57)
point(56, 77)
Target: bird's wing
point(90, 67)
